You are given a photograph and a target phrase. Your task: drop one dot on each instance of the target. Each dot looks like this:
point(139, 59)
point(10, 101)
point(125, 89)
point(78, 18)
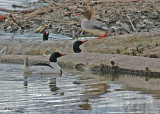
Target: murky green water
point(80, 92)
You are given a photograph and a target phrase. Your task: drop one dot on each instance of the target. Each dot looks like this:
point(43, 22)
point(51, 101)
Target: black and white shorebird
point(43, 68)
point(76, 45)
point(45, 35)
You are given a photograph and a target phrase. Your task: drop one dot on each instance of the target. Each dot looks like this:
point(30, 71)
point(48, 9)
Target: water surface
point(7, 4)
point(76, 92)
point(29, 37)
point(80, 92)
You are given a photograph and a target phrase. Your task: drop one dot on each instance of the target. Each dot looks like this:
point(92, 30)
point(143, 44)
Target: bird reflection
point(86, 105)
point(51, 77)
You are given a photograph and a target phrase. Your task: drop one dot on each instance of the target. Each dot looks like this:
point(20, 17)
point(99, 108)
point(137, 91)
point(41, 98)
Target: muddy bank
point(58, 17)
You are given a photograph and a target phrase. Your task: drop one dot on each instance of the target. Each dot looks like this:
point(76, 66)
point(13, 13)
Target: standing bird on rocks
point(43, 68)
point(45, 35)
point(76, 45)
point(93, 26)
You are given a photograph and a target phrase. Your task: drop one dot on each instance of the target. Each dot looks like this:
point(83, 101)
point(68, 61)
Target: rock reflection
point(86, 105)
point(144, 84)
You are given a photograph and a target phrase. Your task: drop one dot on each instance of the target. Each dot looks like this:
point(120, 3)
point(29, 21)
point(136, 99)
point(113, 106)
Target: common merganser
point(43, 68)
point(76, 45)
point(93, 26)
point(45, 35)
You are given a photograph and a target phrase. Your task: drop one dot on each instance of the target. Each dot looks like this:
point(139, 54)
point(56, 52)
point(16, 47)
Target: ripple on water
point(59, 94)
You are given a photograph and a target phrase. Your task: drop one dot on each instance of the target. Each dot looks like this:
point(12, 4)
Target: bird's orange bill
point(103, 35)
point(84, 41)
point(86, 32)
point(2, 18)
point(63, 54)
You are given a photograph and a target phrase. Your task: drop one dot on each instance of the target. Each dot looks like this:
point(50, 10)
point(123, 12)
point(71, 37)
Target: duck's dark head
point(45, 35)
point(76, 45)
point(54, 56)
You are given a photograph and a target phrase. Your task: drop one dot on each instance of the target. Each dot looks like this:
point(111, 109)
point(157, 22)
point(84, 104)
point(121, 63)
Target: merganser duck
point(93, 26)
point(43, 68)
point(45, 35)
point(76, 45)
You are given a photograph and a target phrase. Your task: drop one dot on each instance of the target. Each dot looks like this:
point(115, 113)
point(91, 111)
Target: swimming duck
point(76, 45)
point(43, 68)
point(93, 26)
point(45, 35)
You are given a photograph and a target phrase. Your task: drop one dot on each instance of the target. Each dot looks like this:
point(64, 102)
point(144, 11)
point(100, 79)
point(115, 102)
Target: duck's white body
point(94, 26)
point(43, 69)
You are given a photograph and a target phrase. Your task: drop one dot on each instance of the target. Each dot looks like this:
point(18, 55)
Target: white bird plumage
point(43, 68)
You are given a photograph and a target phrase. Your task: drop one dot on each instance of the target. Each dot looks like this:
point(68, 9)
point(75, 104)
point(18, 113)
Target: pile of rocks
point(59, 18)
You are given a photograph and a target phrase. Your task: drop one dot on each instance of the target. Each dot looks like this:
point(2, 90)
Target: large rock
point(97, 61)
point(123, 53)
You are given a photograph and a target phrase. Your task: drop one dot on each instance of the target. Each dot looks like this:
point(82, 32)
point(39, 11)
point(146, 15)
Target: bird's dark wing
point(43, 64)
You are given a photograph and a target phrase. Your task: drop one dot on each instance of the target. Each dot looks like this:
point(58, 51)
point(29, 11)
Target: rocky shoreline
point(124, 50)
point(58, 17)
point(145, 44)
point(96, 62)
point(136, 53)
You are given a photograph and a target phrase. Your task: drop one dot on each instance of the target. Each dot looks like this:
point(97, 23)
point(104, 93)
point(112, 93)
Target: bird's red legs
point(103, 35)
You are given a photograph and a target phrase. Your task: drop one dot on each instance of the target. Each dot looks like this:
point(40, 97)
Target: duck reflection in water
point(42, 77)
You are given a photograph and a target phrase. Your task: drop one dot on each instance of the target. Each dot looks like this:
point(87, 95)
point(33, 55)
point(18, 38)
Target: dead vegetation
point(58, 17)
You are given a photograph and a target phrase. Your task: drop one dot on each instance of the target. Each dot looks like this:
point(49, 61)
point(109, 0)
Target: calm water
point(80, 92)
point(76, 92)
point(7, 4)
point(29, 37)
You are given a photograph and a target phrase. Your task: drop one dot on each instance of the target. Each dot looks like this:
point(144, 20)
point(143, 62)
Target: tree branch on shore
point(22, 27)
point(15, 11)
